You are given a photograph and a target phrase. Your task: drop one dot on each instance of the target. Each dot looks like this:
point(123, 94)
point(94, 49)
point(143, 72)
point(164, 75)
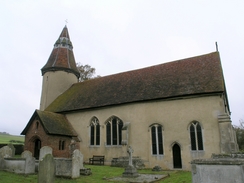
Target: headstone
point(29, 162)
point(46, 172)
point(45, 150)
point(77, 163)
point(63, 167)
point(130, 170)
point(5, 152)
point(13, 149)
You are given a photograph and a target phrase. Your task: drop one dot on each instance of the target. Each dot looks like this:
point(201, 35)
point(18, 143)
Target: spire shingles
point(62, 56)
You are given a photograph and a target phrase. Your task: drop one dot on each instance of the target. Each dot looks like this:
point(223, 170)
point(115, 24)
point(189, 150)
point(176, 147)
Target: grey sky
point(113, 36)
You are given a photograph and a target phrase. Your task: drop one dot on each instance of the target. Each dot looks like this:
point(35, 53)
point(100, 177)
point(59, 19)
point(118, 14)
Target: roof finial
point(66, 21)
point(216, 44)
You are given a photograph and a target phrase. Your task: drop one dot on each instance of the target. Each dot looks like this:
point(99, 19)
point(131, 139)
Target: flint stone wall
point(224, 170)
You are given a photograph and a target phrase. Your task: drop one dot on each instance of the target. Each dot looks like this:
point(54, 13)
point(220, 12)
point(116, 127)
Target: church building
point(169, 113)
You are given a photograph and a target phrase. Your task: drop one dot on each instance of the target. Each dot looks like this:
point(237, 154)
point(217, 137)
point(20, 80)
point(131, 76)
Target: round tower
point(60, 71)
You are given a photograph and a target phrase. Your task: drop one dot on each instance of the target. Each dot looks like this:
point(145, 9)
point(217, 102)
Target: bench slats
point(98, 159)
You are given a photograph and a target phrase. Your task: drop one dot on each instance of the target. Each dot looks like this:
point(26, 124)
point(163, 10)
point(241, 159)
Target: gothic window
point(157, 139)
point(114, 131)
point(196, 136)
point(94, 132)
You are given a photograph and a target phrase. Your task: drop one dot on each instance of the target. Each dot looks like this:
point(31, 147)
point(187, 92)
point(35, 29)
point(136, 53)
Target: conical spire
point(62, 57)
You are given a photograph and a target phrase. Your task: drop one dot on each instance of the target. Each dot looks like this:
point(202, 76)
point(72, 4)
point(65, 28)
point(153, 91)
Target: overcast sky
point(113, 36)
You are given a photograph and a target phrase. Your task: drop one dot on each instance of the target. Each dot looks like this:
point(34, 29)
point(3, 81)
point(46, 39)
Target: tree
point(86, 72)
point(240, 134)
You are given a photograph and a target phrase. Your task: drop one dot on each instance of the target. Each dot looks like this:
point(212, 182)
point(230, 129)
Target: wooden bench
point(98, 159)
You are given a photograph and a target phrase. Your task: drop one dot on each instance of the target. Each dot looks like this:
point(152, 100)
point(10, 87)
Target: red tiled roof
point(53, 123)
point(62, 56)
point(191, 76)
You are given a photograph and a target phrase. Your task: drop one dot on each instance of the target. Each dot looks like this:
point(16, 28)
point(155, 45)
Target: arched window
point(157, 139)
point(94, 132)
point(196, 136)
point(114, 131)
point(37, 125)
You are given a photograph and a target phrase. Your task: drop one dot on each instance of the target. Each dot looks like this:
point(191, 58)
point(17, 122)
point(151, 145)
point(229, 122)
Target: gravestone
point(77, 163)
point(29, 162)
point(130, 170)
point(5, 152)
point(46, 172)
point(45, 150)
point(13, 149)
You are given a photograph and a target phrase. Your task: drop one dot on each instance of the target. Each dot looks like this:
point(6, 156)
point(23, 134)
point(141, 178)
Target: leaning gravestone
point(45, 150)
point(5, 152)
point(29, 162)
point(77, 163)
point(13, 149)
point(46, 172)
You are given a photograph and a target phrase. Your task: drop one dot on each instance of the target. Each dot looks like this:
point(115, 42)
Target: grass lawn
point(98, 173)
point(7, 139)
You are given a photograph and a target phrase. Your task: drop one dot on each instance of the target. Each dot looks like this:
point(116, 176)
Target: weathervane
point(66, 21)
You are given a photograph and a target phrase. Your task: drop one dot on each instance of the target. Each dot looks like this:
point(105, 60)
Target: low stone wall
point(63, 167)
point(23, 165)
point(222, 169)
point(18, 165)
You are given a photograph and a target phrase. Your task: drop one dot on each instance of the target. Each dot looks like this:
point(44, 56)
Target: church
point(169, 114)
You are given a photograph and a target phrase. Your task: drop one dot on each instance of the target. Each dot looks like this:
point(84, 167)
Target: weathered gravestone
point(77, 163)
point(225, 168)
point(29, 162)
point(45, 150)
point(46, 172)
point(5, 152)
point(130, 170)
point(13, 149)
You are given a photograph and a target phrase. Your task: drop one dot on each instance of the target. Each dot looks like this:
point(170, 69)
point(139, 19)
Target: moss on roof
point(53, 123)
point(191, 76)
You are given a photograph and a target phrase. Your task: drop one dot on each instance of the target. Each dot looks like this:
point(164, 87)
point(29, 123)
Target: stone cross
point(130, 151)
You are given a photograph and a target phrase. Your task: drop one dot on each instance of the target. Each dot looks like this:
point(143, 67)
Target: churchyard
point(224, 168)
point(99, 174)
point(50, 169)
